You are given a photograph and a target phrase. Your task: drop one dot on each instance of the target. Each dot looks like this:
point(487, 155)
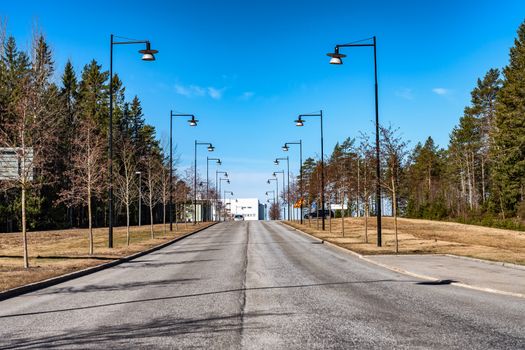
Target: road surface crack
point(242, 297)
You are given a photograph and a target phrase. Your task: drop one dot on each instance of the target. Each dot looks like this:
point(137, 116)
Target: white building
point(250, 208)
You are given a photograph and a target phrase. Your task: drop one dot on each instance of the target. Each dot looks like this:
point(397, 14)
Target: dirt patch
point(422, 237)
point(54, 253)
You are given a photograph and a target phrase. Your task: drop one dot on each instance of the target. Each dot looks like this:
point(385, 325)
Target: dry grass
point(53, 253)
point(424, 237)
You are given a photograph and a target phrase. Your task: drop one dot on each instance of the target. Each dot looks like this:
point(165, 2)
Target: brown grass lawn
point(54, 253)
point(424, 237)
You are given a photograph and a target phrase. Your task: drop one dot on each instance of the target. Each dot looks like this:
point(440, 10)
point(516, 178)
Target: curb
point(424, 277)
point(17, 291)
point(498, 263)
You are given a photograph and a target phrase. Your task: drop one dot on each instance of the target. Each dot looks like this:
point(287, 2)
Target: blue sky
point(247, 68)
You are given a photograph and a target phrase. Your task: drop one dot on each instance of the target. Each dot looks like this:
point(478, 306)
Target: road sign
point(12, 166)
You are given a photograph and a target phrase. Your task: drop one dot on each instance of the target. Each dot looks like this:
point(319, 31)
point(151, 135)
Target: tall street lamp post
point(276, 195)
point(147, 55)
point(275, 175)
point(220, 185)
point(191, 122)
point(218, 192)
point(337, 58)
point(140, 195)
point(286, 148)
point(210, 149)
point(218, 161)
point(300, 122)
point(276, 162)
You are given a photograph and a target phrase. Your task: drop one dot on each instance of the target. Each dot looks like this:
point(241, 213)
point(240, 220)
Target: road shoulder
point(487, 276)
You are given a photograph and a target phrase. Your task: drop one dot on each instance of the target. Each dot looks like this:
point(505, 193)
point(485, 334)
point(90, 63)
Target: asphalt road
point(258, 285)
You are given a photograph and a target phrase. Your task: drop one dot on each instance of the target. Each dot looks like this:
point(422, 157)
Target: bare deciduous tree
point(87, 172)
point(126, 189)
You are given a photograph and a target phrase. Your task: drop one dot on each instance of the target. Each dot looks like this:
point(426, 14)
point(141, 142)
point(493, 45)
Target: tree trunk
point(127, 224)
point(343, 215)
point(366, 220)
point(394, 212)
point(90, 224)
point(164, 216)
point(151, 215)
point(24, 228)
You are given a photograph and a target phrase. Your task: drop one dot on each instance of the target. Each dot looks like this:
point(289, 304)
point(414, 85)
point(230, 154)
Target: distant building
point(250, 208)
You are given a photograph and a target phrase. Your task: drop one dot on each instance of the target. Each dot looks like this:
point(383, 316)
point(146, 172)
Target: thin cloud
point(441, 91)
point(405, 93)
point(247, 95)
point(199, 91)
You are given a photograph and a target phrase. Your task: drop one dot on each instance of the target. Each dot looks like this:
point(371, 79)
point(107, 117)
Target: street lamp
point(300, 122)
point(191, 122)
point(276, 188)
point(273, 192)
point(231, 193)
point(337, 58)
point(275, 175)
point(285, 149)
point(140, 194)
point(147, 55)
point(218, 162)
point(276, 162)
point(210, 149)
point(218, 192)
point(220, 185)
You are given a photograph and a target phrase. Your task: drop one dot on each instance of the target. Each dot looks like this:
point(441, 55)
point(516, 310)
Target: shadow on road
point(210, 293)
point(116, 287)
point(128, 335)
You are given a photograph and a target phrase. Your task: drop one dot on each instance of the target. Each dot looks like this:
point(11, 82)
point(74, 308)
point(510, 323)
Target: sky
point(246, 69)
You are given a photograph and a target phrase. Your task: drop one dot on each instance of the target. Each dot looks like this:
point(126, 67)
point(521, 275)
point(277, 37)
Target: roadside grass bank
point(55, 253)
point(417, 236)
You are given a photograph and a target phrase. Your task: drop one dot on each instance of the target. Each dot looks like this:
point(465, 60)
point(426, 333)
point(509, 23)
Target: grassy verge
point(54, 253)
point(423, 237)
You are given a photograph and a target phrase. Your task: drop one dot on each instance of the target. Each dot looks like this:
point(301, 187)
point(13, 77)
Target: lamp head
point(219, 162)
point(228, 181)
point(274, 174)
point(193, 121)
point(299, 122)
point(138, 172)
point(276, 162)
point(336, 57)
point(285, 148)
point(268, 181)
point(225, 174)
point(148, 54)
point(211, 148)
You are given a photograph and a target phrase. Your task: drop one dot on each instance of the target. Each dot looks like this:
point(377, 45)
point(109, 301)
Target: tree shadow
point(185, 251)
point(116, 287)
point(132, 264)
point(195, 295)
point(123, 335)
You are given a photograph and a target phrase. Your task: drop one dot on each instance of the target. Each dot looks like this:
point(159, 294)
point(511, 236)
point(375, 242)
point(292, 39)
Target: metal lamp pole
point(276, 195)
point(147, 55)
point(140, 195)
point(288, 186)
point(337, 58)
point(208, 177)
point(210, 149)
point(275, 174)
point(286, 148)
point(218, 192)
point(300, 122)
point(220, 185)
point(192, 122)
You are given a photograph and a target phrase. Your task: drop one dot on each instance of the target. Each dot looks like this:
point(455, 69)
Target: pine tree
point(508, 148)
